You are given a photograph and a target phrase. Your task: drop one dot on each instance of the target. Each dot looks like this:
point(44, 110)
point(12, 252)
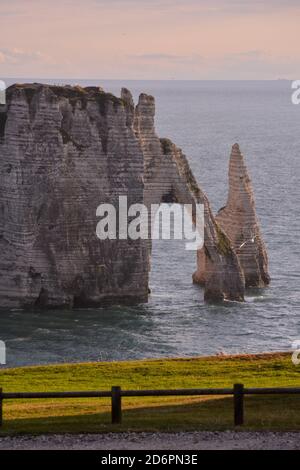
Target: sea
point(204, 118)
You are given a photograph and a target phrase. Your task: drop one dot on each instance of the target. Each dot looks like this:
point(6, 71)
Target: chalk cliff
point(64, 151)
point(238, 220)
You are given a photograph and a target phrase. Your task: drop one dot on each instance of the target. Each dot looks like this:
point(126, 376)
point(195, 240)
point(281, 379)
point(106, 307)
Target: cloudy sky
point(150, 39)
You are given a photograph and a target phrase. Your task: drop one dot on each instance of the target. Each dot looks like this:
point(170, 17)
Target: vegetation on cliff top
point(168, 148)
point(74, 94)
point(223, 244)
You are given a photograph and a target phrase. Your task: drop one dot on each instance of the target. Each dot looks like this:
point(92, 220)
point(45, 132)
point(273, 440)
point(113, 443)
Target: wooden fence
point(116, 393)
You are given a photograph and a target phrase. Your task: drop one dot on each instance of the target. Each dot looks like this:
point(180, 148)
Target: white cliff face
point(239, 221)
point(64, 151)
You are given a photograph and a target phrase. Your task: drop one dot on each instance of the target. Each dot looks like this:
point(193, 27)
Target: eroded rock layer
point(64, 151)
point(239, 221)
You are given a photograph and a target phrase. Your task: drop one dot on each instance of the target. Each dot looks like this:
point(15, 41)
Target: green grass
point(164, 413)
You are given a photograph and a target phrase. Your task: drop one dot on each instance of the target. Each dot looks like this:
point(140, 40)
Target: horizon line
point(155, 79)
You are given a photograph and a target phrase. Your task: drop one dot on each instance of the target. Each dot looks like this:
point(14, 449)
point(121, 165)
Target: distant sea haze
point(204, 118)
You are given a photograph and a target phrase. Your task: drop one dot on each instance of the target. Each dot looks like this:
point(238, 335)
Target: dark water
point(205, 119)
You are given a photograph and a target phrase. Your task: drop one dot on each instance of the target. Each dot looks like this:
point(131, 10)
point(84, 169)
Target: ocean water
point(204, 118)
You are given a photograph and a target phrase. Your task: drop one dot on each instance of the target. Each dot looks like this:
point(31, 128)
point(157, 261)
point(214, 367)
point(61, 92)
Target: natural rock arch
point(65, 150)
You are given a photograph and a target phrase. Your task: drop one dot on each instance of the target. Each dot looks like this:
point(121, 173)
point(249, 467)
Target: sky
point(150, 39)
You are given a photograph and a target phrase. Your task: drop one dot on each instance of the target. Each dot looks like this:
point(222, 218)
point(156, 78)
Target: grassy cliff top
point(72, 93)
point(164, 413)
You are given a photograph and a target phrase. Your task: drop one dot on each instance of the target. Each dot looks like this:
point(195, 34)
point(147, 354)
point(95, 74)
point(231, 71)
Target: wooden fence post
point(1, 408)
point(238, 399)
point(116, 405)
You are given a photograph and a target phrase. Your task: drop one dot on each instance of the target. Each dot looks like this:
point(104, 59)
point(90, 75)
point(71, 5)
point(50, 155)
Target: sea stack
point(239, 221)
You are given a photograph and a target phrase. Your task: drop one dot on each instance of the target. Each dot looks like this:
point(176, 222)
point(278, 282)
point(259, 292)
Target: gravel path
point(156, 441)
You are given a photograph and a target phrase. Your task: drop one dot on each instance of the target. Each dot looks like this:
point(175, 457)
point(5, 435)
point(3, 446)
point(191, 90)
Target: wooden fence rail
point(116, 393)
